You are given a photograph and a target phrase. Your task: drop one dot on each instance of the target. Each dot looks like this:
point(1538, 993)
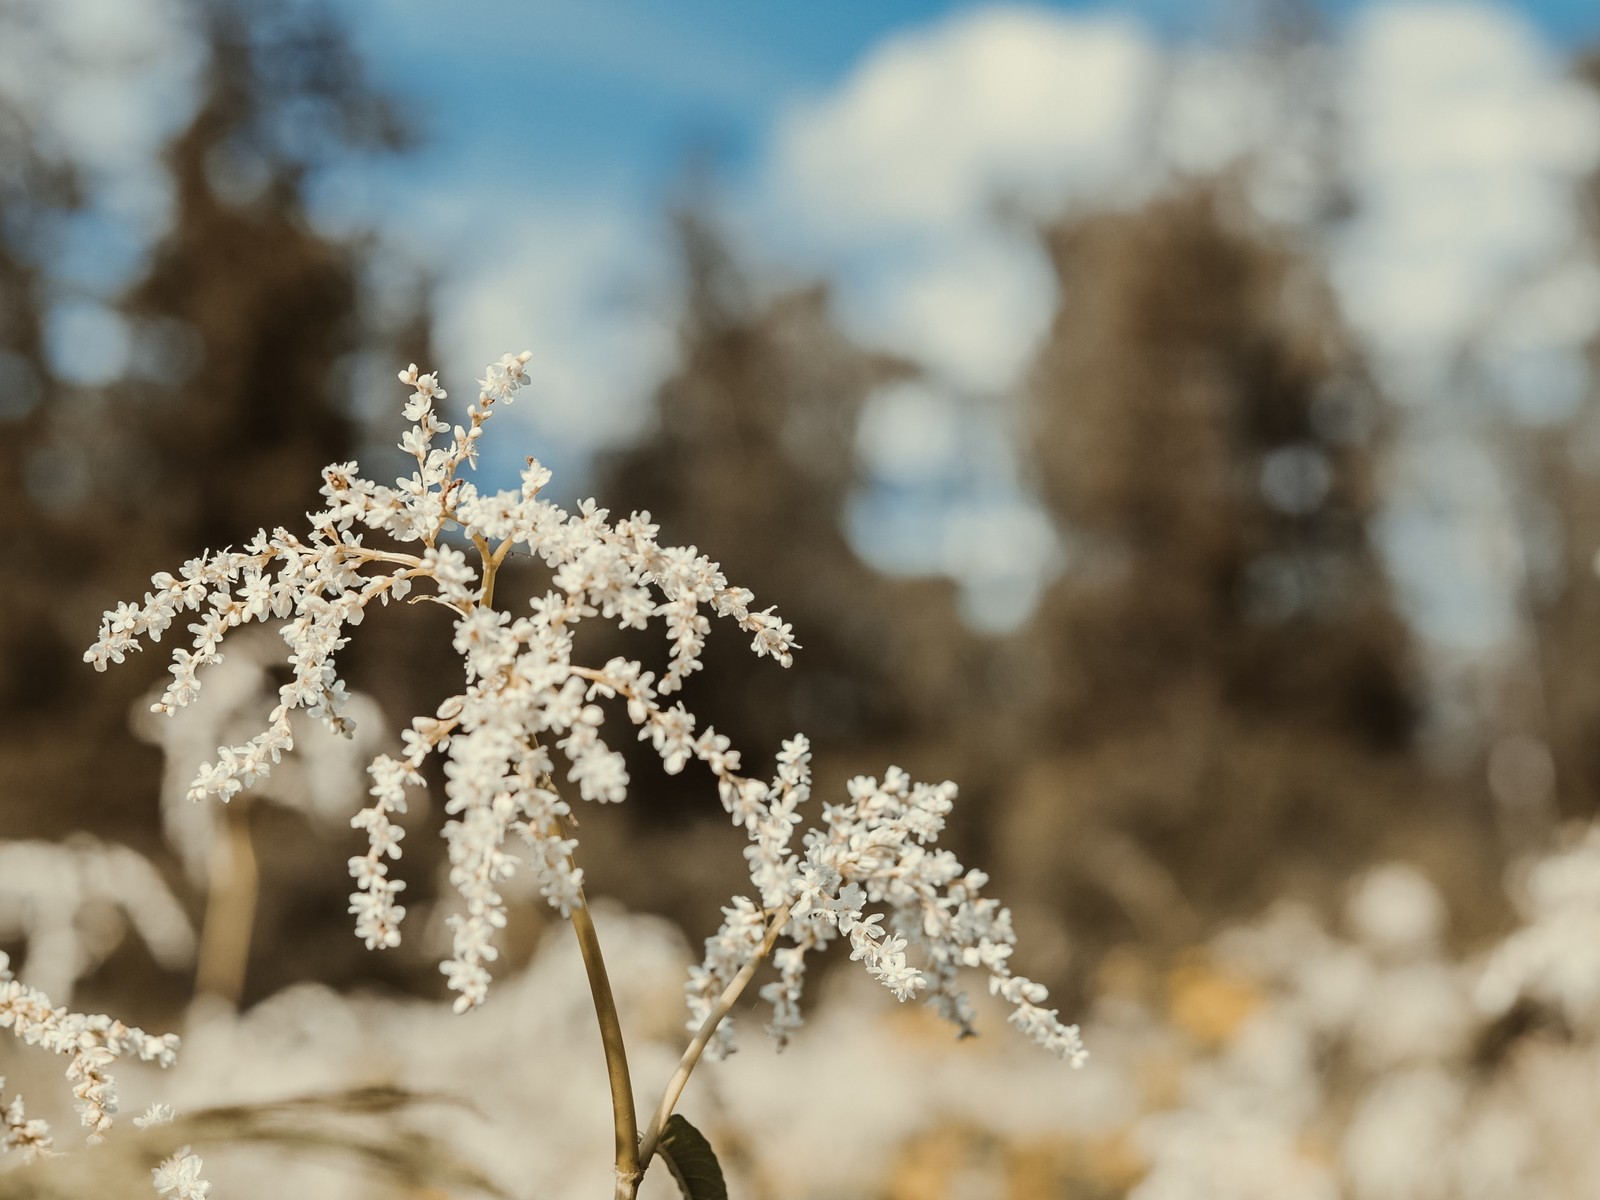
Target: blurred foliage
point(1227, 697)
point(1217, 701)
point(241, 318)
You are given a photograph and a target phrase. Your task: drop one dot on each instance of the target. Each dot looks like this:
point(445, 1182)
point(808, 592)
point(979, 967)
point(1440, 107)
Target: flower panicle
point(525, 693)
point(29, 1138)
point(871, 873)
point(91, 1045)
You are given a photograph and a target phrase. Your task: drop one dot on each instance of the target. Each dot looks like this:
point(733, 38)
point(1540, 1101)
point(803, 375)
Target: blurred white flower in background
point(1554, 959)
point(71, 904)
point(324, 779)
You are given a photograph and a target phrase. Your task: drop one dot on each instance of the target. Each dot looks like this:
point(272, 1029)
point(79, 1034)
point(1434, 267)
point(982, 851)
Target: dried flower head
point(179, 1177)
point(28, 1138)
point(871, 873)
point(91, 1044)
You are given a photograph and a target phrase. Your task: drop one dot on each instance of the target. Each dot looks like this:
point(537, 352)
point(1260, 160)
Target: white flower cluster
point(92, 1043)
point(29, 1138)
point(317, 780)
point(877, 849)
point(1379, 1066)
point(1554, 958)
point(526, 695)
point(179, 1177)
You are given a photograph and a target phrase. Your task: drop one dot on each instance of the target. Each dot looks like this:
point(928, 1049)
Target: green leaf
point(692, 1161)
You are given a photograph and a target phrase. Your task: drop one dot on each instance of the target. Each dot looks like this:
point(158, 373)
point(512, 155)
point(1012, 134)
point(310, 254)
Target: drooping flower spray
point(870, 873)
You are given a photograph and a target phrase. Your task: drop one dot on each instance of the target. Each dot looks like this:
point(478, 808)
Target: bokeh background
point(1177, 423)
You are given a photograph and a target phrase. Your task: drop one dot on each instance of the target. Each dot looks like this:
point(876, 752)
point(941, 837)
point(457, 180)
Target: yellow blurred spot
point(925, 1164)
point(1208, 1005)
point(1113, 1162)
point(1047, 1168)
point(1315, 1147)
point(1036, 1170)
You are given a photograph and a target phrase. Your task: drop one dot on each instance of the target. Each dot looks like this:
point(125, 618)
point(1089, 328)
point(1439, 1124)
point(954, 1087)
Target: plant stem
point(230, 908)
point(702, 1038)
point(491, 564)
point(624, 1119)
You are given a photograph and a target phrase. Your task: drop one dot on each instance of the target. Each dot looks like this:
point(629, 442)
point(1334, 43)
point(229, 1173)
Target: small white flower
point(179, 1177)
point(156, 1114)
point(91, 1043)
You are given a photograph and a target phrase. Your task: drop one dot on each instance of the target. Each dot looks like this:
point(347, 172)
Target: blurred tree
point(228, 411)
point(1541, 748)
point(35, 191)
point(1541, 752)
point(246, 308)
point(1228, 702)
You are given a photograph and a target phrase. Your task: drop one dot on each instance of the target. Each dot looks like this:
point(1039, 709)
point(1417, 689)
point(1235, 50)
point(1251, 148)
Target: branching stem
point(702, 1038)
point(491, 564)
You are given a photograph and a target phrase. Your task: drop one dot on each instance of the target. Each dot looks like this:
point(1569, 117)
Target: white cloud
point(1465, 143)
point(1004, 550)
point(102, 32)
point(1535, 349)
point(104, 84)
point(970, 305)
point(87, 342)
point(910, 433)
point(1454, 549)
point(1562, 308)
point(936, 123)
point(1466, 146)
point(572, 286)
point(106, 80)
point(890, 185)
point(1218, 108)
point(890, 182)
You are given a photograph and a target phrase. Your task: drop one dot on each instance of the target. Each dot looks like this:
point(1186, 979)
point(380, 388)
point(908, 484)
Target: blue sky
point(573, 96)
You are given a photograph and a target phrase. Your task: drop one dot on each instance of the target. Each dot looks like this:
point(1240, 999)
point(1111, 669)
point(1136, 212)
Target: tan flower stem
point(230, 908)
point(624, 1119)
point(367, 554)
point(702, 1038)
point(491, 564)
